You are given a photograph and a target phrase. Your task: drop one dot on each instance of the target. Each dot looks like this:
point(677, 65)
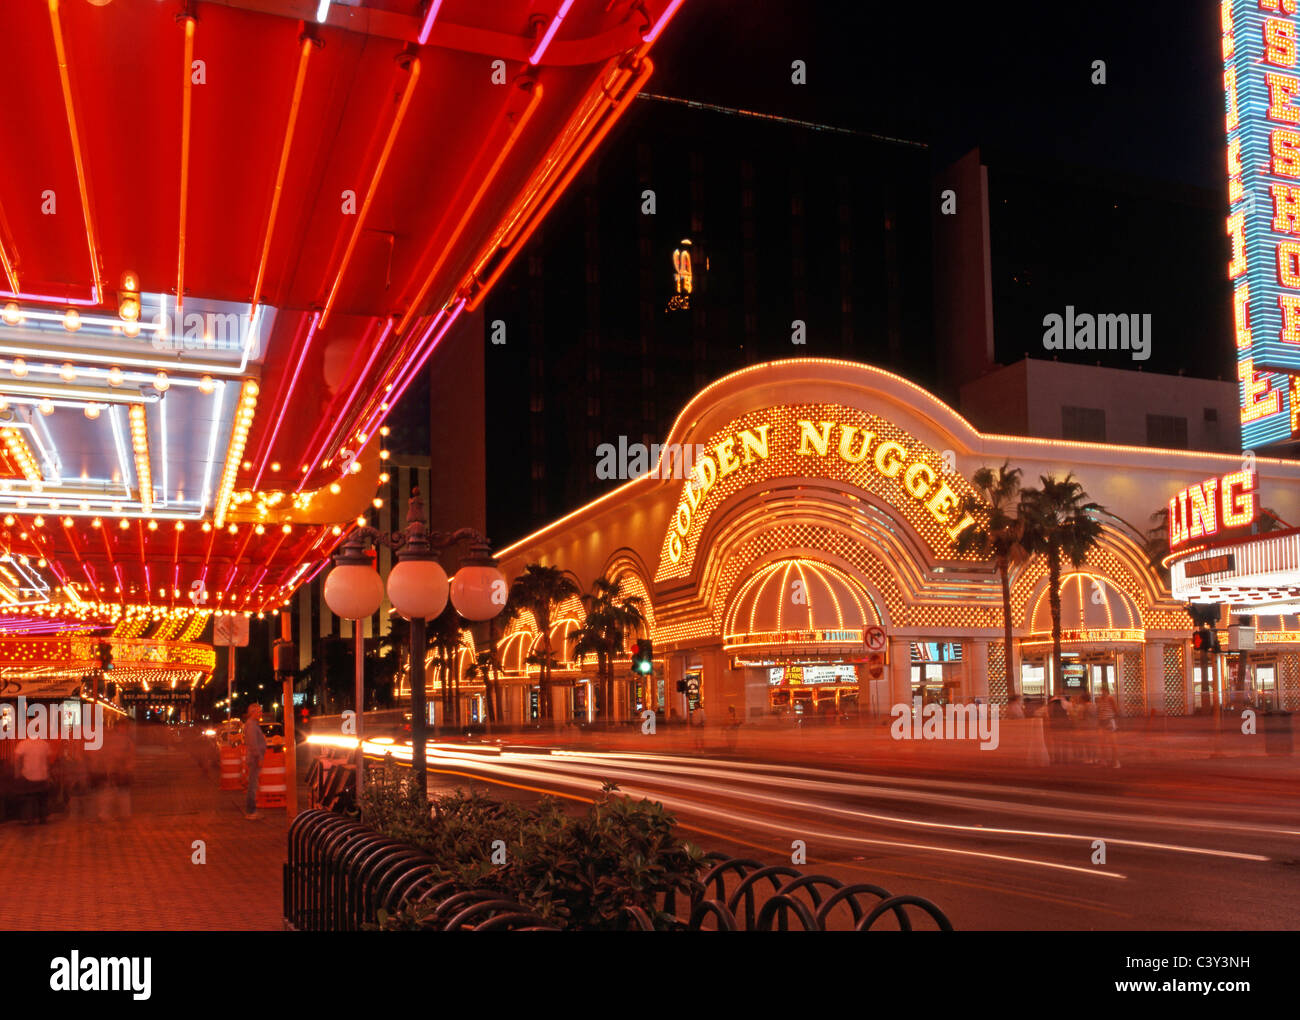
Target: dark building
point(1031, 239)
point(804, 240)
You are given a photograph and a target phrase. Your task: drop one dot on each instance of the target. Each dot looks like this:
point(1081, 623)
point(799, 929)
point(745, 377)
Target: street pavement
point(137, 872)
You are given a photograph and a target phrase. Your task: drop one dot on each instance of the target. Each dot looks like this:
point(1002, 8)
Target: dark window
point(1211, 414)
point(1166, 431)
point(1087, 424)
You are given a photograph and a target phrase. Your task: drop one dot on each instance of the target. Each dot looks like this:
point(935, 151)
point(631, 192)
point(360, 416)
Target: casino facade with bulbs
point(200, 344)
point(806, 562)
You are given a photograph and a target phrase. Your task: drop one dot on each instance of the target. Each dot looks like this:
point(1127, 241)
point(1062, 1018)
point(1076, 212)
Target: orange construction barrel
point(271, 788)
point(232, 768)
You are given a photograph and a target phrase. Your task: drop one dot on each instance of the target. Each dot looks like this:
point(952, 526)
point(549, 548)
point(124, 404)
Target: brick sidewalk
point(136, 873)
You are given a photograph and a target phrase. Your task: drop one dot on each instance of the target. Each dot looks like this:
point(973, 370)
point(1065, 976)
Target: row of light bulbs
point(238, 440)
point(19, 369)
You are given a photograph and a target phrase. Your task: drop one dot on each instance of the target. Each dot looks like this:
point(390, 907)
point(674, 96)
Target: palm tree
point(540, 589)
point(446, 634)
point(1001, 538)
point(611, 617)
point(485, 667)
point(1059, 524)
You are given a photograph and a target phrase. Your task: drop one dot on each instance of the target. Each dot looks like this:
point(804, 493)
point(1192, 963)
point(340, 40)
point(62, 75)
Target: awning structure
point(1258, 575)
point(1096, 615)
point(230, 239)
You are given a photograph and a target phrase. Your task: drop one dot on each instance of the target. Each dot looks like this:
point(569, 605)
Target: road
point(1195, 845)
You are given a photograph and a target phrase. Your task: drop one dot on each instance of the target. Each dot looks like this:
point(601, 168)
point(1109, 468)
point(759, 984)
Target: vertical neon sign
point(1261, 81)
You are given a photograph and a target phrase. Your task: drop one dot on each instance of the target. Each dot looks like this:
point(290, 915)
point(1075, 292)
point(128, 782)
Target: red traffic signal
point(643, 657)
point(1205, 640)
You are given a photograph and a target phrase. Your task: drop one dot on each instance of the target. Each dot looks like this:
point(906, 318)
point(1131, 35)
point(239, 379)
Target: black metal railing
point(340, 874)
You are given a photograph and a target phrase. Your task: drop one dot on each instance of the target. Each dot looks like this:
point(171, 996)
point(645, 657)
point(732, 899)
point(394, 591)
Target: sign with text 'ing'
point(1216, 504)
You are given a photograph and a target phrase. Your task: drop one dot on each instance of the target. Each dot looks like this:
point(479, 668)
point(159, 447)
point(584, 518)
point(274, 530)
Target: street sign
point(157, 697)
point(875, 639)
point(875, 665)
point(230, 630)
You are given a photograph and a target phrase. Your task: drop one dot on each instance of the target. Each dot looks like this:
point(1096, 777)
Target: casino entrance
point(796, 631)
point(1100, 632)
point(936, 671)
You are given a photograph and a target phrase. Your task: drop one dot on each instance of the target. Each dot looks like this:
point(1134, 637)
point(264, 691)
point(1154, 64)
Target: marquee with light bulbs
point(198, 348)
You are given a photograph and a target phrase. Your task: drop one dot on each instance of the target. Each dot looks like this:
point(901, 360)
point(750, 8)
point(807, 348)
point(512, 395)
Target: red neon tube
point(294, 104)
point(486, 182)
point(334, 422)
point(284, 399)
point(97, 285)
point(412, 78)
point(592, 145)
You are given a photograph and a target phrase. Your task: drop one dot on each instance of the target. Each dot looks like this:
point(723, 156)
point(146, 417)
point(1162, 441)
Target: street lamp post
point(418, 589)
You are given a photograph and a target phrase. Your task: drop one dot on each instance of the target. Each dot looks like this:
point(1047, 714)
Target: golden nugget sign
point(816, 440)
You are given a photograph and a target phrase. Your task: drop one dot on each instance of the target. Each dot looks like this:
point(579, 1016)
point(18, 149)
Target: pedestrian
point(76, 779)
point(1108, 727)
point(254, 750)
point(119, 750)
point(32, 769)
point(733, 729)
point(1058, 727)
point(1015, 707)
point(1086, 727)
point(698, 721)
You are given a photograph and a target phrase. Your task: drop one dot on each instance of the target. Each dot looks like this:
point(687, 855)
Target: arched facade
point(852, 481)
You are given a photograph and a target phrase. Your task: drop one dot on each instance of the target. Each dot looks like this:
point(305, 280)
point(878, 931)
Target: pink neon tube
point(336, 422)
point(663, 20)
point(284, 400)
point(412, 370)
point(429, 19)
point(550, 32)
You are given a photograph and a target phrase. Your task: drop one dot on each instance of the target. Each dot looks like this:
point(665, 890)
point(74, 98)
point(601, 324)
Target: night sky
point(1012, 75)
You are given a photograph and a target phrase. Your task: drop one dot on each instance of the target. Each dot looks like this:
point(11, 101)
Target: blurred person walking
point(119, 752)
point(32, 769)
point(76, 779)
point(698, 721)
point(1086, 727)
point(1058, 728)
point(733, 729)
point(1108, 727)
point(254, 751)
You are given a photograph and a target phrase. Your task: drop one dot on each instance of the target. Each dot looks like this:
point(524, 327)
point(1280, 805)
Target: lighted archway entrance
point(796, 630)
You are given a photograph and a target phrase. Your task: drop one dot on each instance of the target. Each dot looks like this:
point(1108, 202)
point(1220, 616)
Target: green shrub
point(579, 872)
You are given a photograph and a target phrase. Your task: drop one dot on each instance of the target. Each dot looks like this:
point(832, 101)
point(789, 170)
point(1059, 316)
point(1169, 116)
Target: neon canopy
point(230, 238)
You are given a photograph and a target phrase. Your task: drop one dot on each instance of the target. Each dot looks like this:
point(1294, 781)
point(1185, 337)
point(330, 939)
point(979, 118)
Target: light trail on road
point(666, 777)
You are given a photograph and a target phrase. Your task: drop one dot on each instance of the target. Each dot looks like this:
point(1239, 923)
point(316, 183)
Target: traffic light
point(1205, 640)
point(105, 656)
point(643, 657)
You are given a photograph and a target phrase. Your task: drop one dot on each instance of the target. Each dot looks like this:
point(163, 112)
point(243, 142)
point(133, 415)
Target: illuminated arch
point(825, 598)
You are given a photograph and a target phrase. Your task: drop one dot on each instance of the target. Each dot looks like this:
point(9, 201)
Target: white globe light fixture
point(418, 588)
point(354, 591)
point(419, 591)
point(478, 591)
